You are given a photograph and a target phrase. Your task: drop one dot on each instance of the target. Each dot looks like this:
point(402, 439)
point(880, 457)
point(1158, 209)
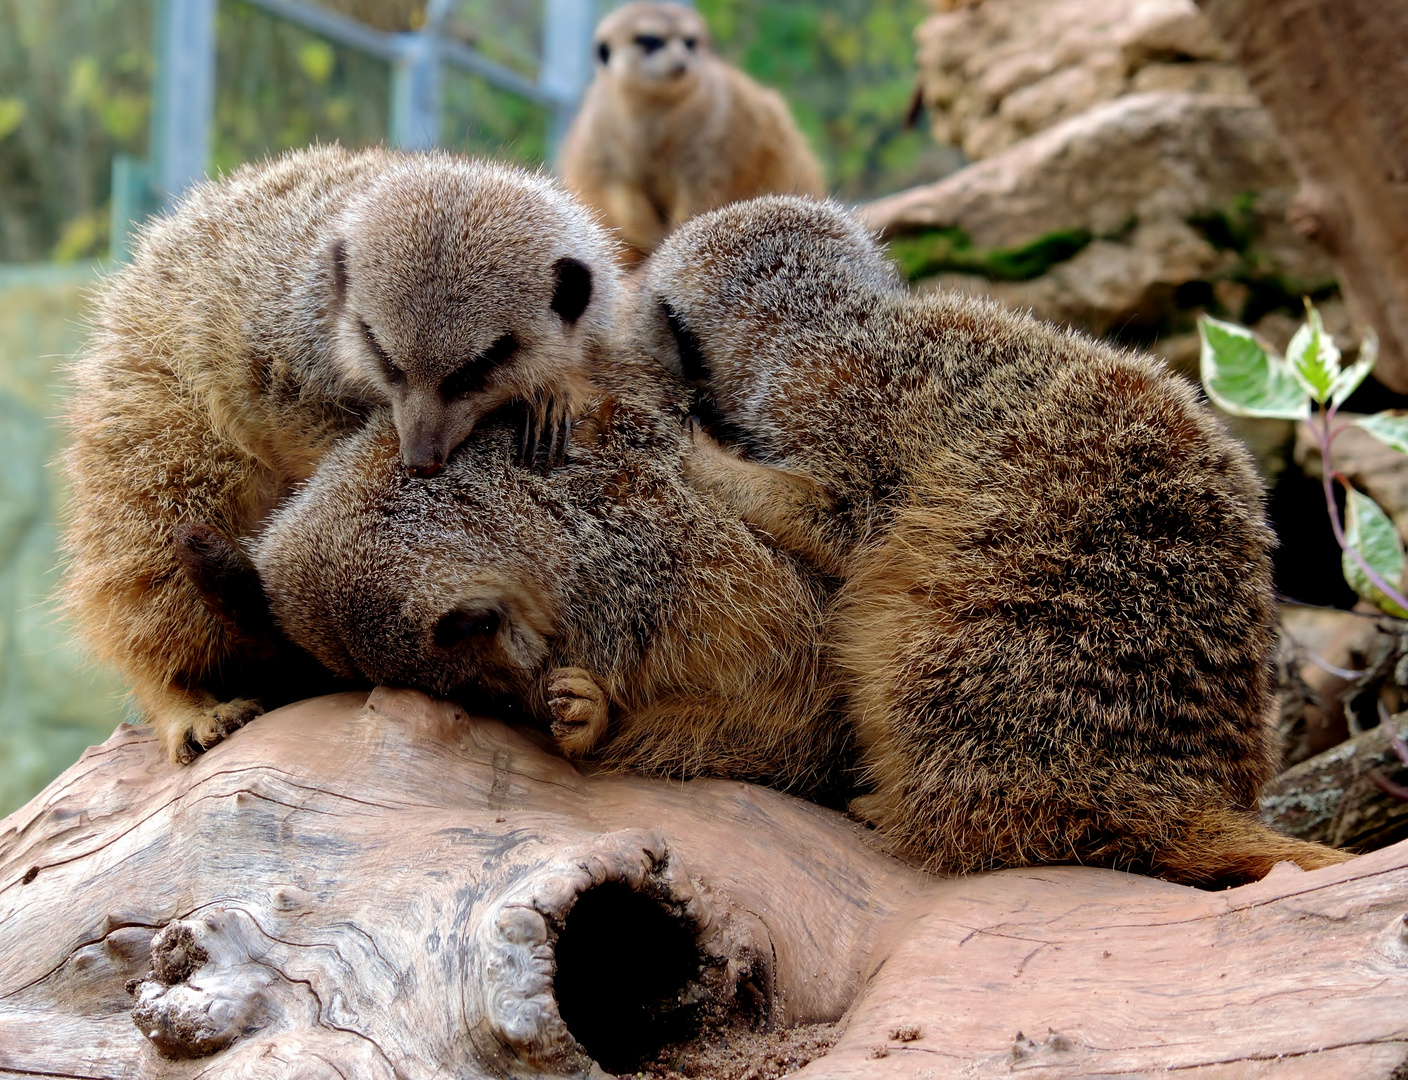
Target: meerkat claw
point(579, 710)
point(553, 424)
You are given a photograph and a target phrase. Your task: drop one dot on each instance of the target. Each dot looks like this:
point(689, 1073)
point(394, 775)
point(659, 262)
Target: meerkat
point(668, 130)
point(1055, 620)
point(269, 314)
point(643, 621)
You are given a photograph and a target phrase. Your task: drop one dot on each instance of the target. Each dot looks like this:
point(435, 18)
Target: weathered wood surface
point(1338, 798)
point(393, 891)
point(1333, 74)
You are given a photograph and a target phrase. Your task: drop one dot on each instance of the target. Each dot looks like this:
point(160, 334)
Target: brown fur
point(664, 135)
point(608, 590)
point(235, 349)
point(1056, 615)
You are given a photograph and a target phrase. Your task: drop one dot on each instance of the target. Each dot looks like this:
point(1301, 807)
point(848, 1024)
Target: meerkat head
point(768, 273)
point(452, 585)
point(654, 48)
point(460, 286)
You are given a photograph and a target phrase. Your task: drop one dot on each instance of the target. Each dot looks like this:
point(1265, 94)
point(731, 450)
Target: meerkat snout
point(456, 291)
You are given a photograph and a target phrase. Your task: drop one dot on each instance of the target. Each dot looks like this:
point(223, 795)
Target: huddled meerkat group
point(760, 514)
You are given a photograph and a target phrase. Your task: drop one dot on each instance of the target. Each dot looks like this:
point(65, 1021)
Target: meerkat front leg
point(637, 218)
point(189, 722)
point(791, 507)
point(580, 710)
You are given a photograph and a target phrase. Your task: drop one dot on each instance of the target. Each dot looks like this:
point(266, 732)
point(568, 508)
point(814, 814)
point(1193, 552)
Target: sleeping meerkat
point(1055, 624)
point(668, 130)
point(264, 318)
point(640, 618)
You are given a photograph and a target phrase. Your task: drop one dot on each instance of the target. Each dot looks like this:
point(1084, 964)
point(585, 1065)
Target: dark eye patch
point(394, 375)
point(692, 361)
point(603, 52)
point(455, 628)
point(572, 289)
point(649, 43)
point(691, 43)
point(469, 376)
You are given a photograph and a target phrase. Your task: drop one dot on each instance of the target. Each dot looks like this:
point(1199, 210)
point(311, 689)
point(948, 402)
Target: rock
point(1142, 157)
point(1174, 203)
point(995, 72)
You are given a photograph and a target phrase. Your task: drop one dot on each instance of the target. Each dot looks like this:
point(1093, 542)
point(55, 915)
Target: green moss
point(952, 250)
point(1232, 229)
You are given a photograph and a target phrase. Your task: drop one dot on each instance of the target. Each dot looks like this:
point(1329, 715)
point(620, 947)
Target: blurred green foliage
point(75, 81)
point(278, 86)
point(847, 69)
point(75, 89)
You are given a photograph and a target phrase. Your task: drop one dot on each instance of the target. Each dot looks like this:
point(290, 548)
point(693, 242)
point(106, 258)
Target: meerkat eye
point(692, 362)
point(394, 375)
point(690, 43)
point(469, 376)
point(603, 52)
point(455, 628)
point(649, 43)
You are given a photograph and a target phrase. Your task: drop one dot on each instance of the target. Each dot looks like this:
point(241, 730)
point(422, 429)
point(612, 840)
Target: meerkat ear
point(603, 52)
point(337, 268)
point(573, 291)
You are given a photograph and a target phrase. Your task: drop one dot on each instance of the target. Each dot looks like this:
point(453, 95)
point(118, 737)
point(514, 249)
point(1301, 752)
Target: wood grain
point(377, 887)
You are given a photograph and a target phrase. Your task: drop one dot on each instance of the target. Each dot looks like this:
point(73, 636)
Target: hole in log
point(623, 965)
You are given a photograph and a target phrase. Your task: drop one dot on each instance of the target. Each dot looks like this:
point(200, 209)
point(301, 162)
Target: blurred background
point(1103, 163)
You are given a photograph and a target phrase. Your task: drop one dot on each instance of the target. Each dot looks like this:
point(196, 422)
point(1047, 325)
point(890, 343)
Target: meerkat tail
point(1229, 847)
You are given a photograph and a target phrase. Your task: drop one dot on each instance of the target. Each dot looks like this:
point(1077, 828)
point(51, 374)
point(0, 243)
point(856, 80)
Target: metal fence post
point(567, 61)
point(185, 95)
point(416, 98)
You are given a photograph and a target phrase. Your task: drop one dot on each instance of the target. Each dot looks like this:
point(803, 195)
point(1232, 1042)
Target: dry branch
point(393, 889)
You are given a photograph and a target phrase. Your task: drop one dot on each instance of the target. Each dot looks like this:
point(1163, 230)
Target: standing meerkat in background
point(1055, 622)
point(668, 130)
point(641, 618)
point(264, 318)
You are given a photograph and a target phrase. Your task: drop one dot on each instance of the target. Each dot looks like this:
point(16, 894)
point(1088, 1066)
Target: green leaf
point(1349, 379)
point(317, 60)
point(1314, 360)
point(1369, 531)
point(1390, 428)
point(1242, 378)
point(11, 115)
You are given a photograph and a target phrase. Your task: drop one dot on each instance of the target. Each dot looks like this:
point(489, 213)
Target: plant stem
point(1326, 436)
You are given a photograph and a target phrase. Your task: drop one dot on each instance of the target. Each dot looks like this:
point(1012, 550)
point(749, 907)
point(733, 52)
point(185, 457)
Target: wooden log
point(385, 887)
point(1334, 797)
point(1333, 74)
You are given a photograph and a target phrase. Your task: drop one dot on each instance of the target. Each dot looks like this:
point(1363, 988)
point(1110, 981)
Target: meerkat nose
point(424, 468)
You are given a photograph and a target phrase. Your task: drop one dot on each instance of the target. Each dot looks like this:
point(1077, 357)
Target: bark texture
point(385, 887)
point(1333, 74)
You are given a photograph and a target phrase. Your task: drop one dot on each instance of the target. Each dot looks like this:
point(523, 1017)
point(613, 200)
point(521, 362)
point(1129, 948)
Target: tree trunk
point(1334, 76)
point(383, 887)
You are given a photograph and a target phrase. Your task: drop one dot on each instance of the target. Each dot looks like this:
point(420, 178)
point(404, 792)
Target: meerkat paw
point(870, 809)
point(579, 710)
point(547, 429)
point(216, 721)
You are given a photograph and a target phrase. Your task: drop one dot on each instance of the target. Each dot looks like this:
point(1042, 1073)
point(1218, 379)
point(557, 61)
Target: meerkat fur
point(640, 619)
point(1055, 618)
point(266, 316)
point(668, 129)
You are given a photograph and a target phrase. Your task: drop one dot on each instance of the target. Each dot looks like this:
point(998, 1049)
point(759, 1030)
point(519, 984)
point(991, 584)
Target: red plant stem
point(1326, 436)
